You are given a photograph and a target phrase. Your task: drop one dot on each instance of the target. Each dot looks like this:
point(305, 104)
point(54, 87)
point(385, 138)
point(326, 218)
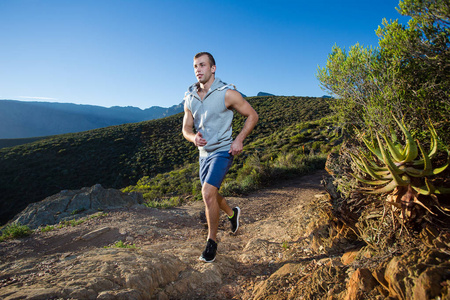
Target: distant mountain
point(261, 94)
point(20, 119)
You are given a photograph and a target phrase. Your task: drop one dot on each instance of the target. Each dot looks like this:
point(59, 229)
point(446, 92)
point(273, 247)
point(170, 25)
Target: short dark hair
point(211, 58)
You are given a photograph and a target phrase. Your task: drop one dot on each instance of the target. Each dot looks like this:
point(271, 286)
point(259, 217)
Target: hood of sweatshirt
point(217, 85)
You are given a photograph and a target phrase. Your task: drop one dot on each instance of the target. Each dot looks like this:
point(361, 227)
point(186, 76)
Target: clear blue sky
point(139, 53)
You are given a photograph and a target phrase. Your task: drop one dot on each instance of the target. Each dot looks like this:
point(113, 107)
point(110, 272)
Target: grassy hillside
point(5, 143)
point(295, 150)
point(119, 156)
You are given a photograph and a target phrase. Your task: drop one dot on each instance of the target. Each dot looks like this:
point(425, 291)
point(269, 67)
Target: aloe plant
point(398, 171)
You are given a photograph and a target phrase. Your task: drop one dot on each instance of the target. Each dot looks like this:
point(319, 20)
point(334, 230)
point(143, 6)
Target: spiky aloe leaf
point(442, 168)
point(396, 154)
point(386, 189)
point(426, 190)
point(370, 182)
point(387, 160)
point(364, 166)
point(373, 165)
point(411, 147)
point(405, 151)
point(412, 171)
point(356, 160)
point(385, 175)
point(433, 147)
point(372, 148)
point(370, 171)
point(427, 167)
point(434, 141)
point(396, 143)
point(412, 152)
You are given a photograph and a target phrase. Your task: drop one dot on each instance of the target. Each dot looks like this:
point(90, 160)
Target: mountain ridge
point(23, 119)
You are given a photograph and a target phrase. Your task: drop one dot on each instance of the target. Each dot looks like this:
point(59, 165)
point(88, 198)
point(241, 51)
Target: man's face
point(203, 70)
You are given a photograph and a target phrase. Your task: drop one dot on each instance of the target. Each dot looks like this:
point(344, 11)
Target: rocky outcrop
point(101, 274)
point(418, 275)
point(70, 204)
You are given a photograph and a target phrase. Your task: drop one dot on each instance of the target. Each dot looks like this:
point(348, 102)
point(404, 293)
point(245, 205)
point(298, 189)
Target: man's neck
point(204, 87)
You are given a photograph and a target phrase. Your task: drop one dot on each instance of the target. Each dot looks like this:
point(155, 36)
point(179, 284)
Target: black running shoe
point(209, 255)
point(235, 219)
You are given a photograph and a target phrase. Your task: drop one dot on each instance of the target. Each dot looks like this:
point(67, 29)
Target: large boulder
point(70, 204)
point(102, 273)
point(419, 275)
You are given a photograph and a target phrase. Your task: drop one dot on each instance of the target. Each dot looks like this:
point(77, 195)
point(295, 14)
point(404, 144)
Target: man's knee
point(209, 193)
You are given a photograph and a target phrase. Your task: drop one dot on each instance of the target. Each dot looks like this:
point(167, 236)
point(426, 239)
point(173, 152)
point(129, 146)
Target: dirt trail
point(59, 263)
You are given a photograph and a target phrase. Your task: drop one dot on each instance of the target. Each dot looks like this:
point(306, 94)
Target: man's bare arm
point(188, 129)
point(234, 100)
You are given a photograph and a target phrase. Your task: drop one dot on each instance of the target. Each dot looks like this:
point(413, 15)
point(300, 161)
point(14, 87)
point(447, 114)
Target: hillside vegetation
point(119, 156)
point(7, 143)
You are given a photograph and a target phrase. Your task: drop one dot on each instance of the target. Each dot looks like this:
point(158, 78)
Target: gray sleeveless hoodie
point(211, 117)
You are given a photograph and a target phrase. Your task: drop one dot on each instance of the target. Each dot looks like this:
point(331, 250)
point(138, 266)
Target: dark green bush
point(14, 230)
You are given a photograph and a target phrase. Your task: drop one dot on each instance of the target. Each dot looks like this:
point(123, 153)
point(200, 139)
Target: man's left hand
point(236, 148)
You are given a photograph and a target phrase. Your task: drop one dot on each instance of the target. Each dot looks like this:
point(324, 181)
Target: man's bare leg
point(213, 203)
point(224, 205)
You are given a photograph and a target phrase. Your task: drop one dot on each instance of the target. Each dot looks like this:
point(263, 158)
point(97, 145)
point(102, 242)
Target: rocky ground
point(279, 252)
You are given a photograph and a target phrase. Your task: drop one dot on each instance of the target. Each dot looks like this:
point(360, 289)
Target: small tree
point(408, 74)
point(421, 54)
point(358, 80)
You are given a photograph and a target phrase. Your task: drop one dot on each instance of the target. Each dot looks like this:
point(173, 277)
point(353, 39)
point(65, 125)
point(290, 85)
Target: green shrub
point(121, 244)
point(77, 211)
point(164, 203)
point(48, 228)
point(316, 145)
point(230, 188)
point(73, 223)
point(14, 230)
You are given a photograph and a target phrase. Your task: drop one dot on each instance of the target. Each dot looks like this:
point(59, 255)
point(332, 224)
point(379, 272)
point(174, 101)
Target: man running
point(208, 107)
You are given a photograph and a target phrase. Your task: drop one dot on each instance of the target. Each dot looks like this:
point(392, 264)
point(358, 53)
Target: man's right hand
point(199, 141)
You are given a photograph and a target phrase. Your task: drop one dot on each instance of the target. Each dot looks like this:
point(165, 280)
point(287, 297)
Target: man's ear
point(213, 69)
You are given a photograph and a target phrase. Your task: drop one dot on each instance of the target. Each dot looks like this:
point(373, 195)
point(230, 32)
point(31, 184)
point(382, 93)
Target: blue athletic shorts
point(214, 167)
